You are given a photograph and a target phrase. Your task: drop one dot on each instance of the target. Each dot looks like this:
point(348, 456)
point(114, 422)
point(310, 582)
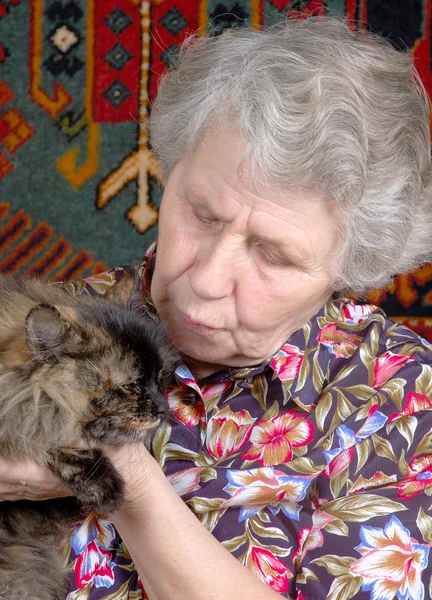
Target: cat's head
point(105, 363)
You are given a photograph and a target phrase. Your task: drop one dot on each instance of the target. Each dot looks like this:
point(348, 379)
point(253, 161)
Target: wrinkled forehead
point(222, 154)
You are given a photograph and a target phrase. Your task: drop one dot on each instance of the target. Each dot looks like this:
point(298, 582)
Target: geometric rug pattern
point(79, 188)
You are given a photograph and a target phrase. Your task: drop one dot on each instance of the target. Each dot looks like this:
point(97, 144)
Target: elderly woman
point(299, 461)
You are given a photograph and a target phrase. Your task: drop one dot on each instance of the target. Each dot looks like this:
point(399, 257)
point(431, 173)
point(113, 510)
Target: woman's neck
point(201, 370)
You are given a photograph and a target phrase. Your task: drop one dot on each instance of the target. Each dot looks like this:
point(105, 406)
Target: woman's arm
point(174, 554)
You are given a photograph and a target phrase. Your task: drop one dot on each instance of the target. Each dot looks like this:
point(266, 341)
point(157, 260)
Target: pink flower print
point(267, 567)
point(316, 499)
point(356, 313)
point(94, 565)
point(191, 413)
point(186, 400)
point(339, 462)
point(272, 441)
point(256, 489)
point(310, 538)
point(287, 362)
point(339, 458)
point(392, 562)
point(338, 342)
point(414, 403)
point(186, 481)
point(211, 390)
point(92, 529)
point(418, 479)
point(184, 375)
point(185, 411)
point(386, 366)
point(228, 432)
point(306, 540)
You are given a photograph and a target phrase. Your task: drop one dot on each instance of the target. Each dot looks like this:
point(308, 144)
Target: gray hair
point(321, 107)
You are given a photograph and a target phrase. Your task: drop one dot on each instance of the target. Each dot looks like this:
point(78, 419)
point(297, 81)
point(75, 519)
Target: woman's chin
point(217, 348)
point(201, 351)
point(204, 361)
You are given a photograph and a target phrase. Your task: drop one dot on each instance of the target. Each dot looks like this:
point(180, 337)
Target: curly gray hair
point(322, 107)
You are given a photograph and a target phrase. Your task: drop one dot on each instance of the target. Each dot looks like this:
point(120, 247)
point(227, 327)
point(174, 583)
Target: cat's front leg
point(90, 476)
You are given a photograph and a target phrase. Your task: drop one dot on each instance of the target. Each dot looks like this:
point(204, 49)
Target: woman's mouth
point(196, 326)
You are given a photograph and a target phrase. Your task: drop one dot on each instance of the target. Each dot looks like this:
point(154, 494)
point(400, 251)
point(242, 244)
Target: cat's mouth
point(110, 429)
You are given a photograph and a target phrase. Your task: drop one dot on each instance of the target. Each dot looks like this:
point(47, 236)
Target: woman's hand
point(137, 468)
point(28, 481)
point(174, 554)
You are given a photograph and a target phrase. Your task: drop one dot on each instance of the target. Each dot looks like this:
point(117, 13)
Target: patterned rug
point(78, 185)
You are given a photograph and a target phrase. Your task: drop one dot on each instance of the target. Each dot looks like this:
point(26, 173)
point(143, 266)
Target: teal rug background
point(78, 184)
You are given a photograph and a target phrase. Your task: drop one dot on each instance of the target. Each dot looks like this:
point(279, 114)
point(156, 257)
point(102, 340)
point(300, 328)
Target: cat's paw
point(91, 477)
point(103, 496)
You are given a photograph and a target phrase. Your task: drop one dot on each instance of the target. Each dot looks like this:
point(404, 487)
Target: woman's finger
point(28, 480)
point(27, 470)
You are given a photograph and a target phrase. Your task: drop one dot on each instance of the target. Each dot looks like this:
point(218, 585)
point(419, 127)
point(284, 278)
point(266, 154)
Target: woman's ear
point(48, 334)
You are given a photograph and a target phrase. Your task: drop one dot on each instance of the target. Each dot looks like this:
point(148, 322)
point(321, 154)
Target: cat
point(89, 367)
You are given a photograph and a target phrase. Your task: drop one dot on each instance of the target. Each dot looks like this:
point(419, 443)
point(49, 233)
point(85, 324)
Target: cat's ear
point(122, 291)
point(48, 333)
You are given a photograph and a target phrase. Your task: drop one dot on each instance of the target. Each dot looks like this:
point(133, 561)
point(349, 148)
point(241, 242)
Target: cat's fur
point(70, 367)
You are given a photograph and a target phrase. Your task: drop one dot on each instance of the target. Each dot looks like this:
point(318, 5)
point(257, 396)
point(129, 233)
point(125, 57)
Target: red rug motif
point(79, 186)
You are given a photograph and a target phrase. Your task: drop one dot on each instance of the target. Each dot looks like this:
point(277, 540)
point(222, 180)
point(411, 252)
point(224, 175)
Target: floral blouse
point(314, 468)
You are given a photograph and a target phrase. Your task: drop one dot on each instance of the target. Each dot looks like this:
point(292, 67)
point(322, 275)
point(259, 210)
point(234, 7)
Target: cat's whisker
point(95, 467)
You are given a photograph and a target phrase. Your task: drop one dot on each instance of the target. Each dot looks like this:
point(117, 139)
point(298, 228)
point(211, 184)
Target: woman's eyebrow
point(192, 194)
point(187, 189)
point(292, 251)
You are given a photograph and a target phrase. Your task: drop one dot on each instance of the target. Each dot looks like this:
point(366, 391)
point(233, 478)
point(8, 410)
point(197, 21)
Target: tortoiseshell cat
point(70, 367)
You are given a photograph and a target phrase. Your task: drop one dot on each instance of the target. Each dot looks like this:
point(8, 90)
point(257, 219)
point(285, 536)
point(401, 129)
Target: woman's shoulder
point(128, 277)
point(99, 283)
point(369, 353)
point(373, 327)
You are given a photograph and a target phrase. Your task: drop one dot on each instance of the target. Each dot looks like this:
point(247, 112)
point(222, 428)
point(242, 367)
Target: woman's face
point(236, 273)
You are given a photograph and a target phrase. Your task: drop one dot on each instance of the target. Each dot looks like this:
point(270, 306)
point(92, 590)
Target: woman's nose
point(214, 273)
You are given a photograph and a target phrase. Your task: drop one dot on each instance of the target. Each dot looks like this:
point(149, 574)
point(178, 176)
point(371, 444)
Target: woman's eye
point(205, 220)
point(272, 259)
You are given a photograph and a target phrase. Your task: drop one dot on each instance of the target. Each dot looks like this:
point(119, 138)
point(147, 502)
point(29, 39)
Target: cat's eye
point(131, 388)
